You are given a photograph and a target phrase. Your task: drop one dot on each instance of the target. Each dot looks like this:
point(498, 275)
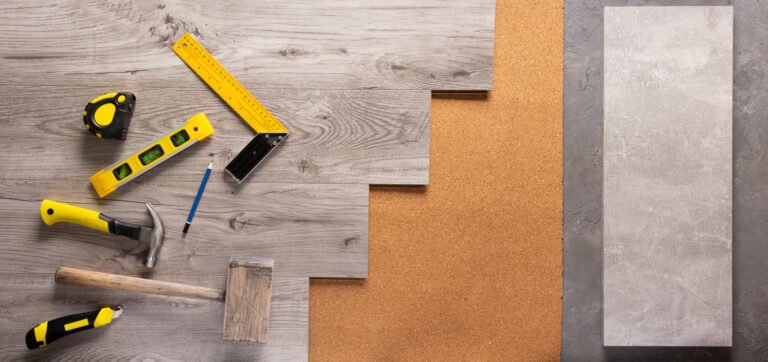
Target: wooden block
point(667, 196)
point(248, 297)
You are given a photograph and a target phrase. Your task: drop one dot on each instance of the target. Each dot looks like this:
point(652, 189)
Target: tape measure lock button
point(105, 114)
point(109, 115)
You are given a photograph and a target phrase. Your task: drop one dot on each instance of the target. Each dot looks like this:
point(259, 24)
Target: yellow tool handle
point(54, 212)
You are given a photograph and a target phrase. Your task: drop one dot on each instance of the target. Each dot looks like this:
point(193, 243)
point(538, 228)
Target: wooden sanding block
point(248, 279)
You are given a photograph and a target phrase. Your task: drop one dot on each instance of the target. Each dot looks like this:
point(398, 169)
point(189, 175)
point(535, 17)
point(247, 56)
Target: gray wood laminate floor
point(349, 136)
point(350, 79)
point(326, 44)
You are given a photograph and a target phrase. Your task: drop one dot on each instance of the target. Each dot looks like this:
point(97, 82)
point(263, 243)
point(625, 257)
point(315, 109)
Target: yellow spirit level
point(109, 179)
point(270, 132)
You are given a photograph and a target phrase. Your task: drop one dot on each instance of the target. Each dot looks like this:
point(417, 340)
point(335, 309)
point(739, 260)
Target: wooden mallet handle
point(124, 283)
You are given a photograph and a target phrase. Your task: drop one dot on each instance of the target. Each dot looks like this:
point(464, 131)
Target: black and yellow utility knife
point(49, 331)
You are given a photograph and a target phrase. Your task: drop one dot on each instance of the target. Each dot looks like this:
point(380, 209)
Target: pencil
point(198, 197)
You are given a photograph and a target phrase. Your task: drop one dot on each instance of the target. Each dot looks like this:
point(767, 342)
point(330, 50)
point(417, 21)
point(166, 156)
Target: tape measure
point(109, 115)
point(270, 132)
point(109, 179)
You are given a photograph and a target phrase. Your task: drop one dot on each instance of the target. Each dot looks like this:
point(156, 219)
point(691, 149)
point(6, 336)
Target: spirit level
point(109, 179)
point(270, 132)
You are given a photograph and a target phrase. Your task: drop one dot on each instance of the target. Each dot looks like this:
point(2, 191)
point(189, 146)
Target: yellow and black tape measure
point(109, 115)
point(270, 132)
point(109, 179)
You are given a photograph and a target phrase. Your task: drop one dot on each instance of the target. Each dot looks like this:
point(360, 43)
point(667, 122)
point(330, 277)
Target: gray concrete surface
point(667, 175)
point(582, 208)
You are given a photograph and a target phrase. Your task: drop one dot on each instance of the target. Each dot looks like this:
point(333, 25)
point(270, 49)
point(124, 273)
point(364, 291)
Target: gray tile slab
point(667, 176)
point(582, 196)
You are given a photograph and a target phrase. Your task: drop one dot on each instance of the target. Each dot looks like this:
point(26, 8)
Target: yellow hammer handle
point(53, 212)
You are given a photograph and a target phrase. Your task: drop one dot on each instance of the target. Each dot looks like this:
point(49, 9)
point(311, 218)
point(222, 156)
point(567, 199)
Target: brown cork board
point(469, 267)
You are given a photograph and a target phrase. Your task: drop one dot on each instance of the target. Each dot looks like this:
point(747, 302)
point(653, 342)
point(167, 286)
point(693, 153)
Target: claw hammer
point(54, 212)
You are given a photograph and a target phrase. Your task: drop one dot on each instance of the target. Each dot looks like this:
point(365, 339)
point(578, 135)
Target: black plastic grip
point(251, 156)
point(61, 327)
point(122, 228)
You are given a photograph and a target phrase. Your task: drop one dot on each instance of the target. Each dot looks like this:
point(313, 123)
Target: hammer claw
point(156, 240)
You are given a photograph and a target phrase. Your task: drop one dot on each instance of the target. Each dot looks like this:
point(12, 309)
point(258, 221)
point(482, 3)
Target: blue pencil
point(198, 197)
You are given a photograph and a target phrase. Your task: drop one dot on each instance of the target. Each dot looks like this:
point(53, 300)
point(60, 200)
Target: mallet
point(247, 297)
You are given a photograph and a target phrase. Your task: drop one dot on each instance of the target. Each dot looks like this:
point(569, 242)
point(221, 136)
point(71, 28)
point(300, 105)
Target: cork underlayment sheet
point(469, 267)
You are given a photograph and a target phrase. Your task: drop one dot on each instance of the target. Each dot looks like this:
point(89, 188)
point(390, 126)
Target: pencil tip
point(210, 165)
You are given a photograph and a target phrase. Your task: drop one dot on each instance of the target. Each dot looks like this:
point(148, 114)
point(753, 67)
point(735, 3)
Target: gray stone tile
point(667, 176)
point(582, 338)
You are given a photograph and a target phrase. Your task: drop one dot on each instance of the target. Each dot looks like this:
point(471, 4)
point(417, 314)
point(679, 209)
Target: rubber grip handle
point(53, 212)
point(118, 227)
point(47, 332)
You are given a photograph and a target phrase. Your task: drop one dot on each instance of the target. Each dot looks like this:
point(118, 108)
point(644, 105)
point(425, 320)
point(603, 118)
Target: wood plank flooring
point(351, 80)
point(306, 44)
point(367, 137)
point(667, 185)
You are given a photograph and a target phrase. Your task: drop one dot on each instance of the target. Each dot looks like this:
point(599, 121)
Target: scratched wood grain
point(308, 229)
point(327, 44)
point(372, 137)
point(153, 327)
point(300, 58)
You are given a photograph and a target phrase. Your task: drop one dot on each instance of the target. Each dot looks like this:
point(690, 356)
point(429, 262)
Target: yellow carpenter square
point(109, 179)
point(226, 86)
point(270, 132)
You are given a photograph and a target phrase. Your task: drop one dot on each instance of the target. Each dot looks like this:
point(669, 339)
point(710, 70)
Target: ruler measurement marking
point(247, 105)
point(194, 56)
point(240, 100)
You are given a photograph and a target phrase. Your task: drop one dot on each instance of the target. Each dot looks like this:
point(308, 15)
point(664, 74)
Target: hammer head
point(153, 237)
